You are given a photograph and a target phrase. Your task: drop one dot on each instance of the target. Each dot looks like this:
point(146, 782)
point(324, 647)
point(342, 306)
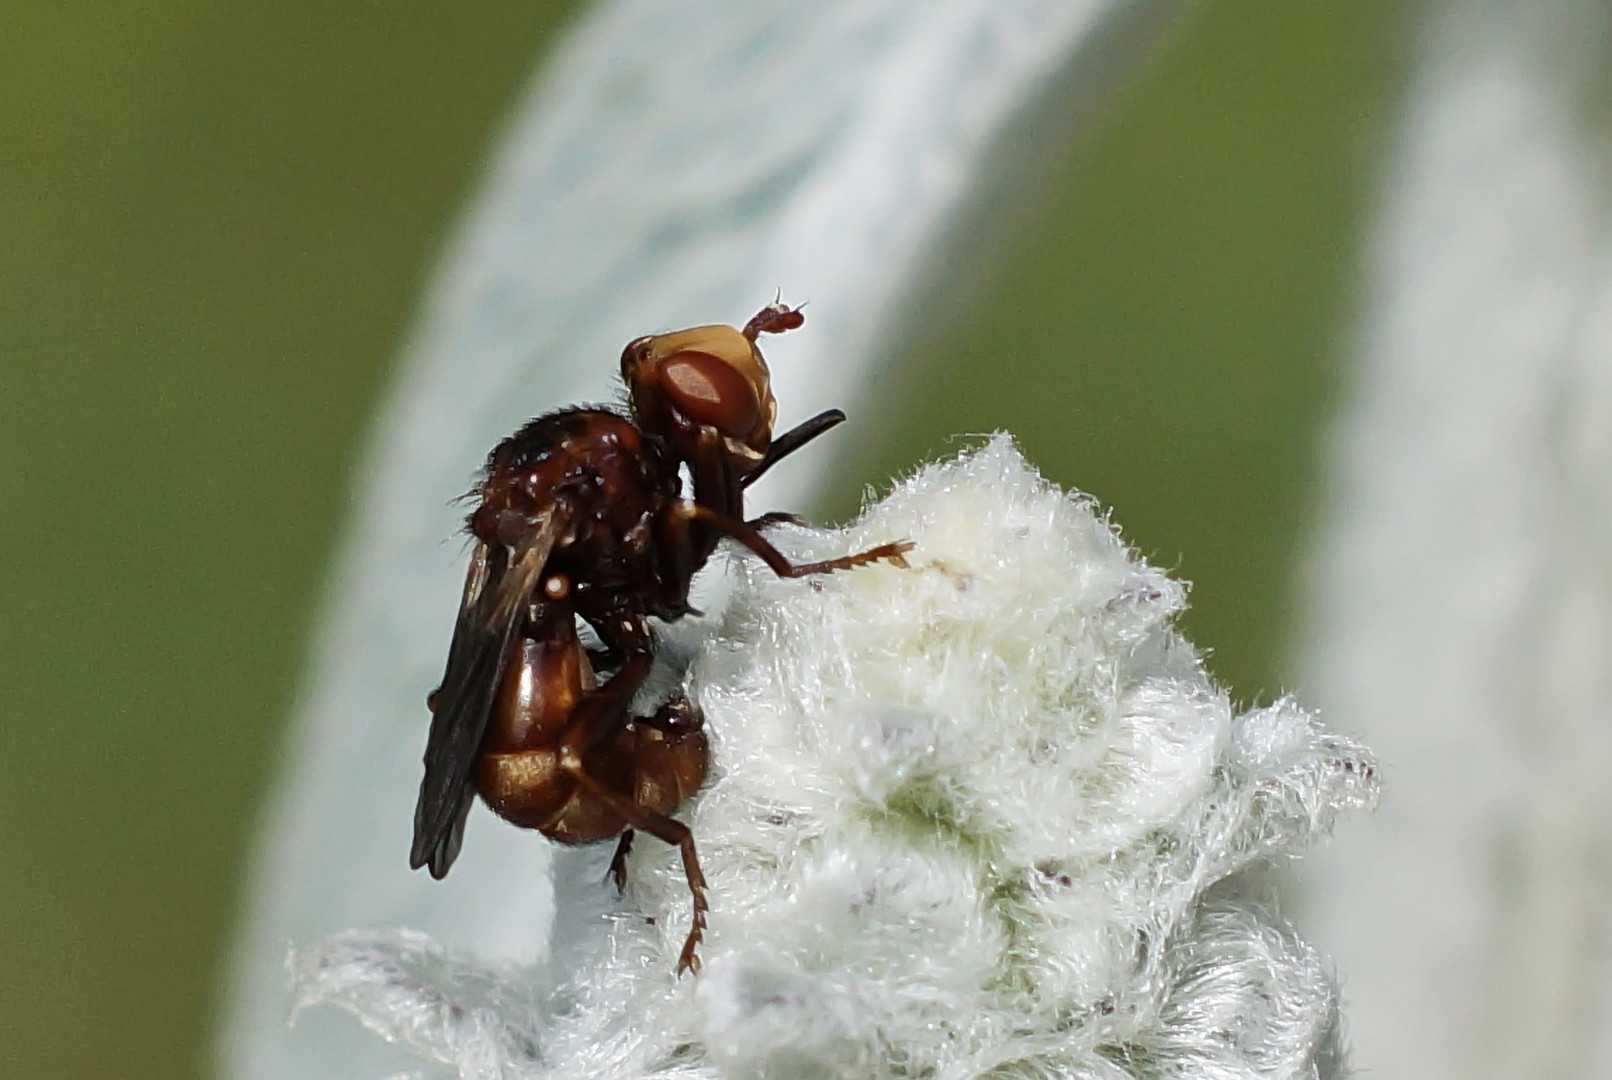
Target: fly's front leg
point(894, 553)
point(682, 549)
point(774, 517)
point(712, 474)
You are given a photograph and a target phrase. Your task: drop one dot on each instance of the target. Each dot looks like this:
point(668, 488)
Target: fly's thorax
point(593, 465)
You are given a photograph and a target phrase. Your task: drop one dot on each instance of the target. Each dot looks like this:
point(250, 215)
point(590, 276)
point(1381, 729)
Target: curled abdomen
point(656, 770)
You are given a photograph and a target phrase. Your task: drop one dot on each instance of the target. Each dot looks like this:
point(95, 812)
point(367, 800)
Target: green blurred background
point(216, 219)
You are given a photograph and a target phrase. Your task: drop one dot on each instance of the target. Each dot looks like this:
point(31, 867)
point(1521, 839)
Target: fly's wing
point(498, 589)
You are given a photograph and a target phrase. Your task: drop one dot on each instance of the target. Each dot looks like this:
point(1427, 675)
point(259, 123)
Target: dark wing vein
point(498, 588)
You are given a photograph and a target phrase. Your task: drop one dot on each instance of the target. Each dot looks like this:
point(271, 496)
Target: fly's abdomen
point(671, 766)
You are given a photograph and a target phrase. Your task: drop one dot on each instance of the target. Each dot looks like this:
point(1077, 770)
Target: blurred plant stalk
point(1462, 584)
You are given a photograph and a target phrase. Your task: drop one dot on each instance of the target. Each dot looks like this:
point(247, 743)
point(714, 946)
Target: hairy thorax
point(609, 483)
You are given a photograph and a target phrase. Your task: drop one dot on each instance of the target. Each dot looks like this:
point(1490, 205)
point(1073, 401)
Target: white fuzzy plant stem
point(980, 816)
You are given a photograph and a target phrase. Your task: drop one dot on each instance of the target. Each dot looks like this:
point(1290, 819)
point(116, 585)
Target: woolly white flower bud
point(965, 819)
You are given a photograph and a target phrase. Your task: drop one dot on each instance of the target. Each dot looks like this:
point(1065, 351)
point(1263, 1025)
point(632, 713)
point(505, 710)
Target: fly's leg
point(597, 720)
point(715, 484)
point(678, 715)
point(712, 474)
point(618, 861)
point(665, 829)
point(894, 553)
point(774, 517)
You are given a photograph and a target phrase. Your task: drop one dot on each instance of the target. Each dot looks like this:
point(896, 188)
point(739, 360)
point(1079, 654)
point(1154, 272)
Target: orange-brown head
point(707, 377)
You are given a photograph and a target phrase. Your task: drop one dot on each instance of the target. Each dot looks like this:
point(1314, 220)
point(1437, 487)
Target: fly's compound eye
point(709, 390)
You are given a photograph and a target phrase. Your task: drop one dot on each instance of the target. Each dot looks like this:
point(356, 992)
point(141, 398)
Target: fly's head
point(710, 384)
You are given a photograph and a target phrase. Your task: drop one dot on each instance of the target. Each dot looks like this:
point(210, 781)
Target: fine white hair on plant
point(984, 815)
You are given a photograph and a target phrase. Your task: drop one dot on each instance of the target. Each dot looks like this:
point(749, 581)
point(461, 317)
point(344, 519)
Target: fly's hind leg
point(667, 830)
point(658, 826)
point(618, 861)
point(594, 722)
point(677, 717)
